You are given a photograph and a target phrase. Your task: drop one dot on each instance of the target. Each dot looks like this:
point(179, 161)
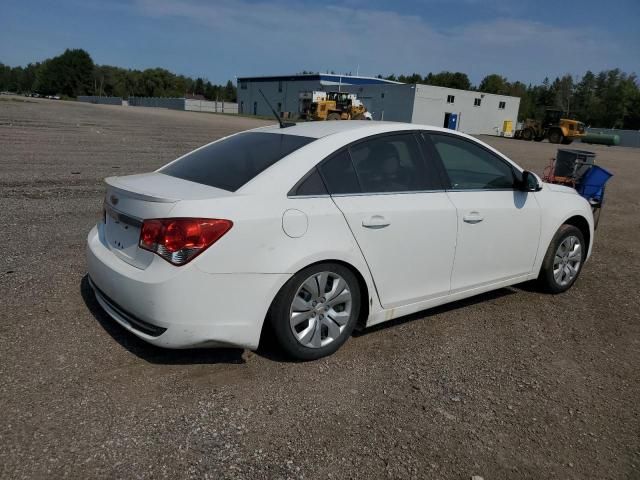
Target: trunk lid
point(134, 198)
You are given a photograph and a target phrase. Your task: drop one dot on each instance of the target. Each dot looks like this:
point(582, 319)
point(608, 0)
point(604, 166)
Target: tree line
point(74, 73)
point(609, 99)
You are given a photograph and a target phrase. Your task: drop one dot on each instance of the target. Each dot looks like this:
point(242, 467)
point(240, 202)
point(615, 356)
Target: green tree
point(229, 92)
point(69, 74)
point(494, 83)
point(457, 80)
point(198, 88)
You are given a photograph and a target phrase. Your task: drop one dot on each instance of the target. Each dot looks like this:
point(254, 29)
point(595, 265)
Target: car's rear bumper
point(180, 307)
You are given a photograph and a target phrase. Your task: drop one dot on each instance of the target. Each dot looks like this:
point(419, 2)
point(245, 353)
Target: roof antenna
point(282, 124)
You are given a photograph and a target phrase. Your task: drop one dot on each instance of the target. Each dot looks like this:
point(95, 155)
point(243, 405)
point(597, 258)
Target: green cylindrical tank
point(601, 139)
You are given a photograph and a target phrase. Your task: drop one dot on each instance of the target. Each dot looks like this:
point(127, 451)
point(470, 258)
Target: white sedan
point(314, 229)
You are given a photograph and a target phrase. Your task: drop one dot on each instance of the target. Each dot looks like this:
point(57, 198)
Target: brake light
point(179, 240)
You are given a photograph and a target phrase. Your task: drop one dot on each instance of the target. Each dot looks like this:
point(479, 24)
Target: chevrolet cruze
point(315, 229)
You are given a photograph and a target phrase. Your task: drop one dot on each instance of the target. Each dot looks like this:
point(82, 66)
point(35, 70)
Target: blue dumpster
point(592, 183)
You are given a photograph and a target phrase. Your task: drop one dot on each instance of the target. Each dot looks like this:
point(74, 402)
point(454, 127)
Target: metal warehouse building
point(463, 110)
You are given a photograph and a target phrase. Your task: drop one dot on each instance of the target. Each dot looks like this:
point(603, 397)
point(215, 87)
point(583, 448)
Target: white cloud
point(276, 37)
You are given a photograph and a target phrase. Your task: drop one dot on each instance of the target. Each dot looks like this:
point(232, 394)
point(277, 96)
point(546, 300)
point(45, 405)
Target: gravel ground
point(512, 384)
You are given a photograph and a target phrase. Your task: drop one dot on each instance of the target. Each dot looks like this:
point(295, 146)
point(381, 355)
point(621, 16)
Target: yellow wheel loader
point(331, 106)
point(555, 127)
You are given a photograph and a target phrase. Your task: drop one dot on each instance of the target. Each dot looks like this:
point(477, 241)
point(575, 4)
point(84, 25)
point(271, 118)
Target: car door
point(498, 224)
point(401, 217)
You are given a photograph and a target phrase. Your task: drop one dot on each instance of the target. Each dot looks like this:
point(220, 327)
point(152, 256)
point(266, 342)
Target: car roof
point(330, 136)
point(319, 129)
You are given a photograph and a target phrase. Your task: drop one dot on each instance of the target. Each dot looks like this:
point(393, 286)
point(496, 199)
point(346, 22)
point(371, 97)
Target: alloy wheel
point(320, 310)
point(567, 261)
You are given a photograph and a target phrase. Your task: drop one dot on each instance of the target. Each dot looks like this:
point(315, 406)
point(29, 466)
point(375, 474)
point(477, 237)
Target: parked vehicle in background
point(554, 127)
point(314, 229)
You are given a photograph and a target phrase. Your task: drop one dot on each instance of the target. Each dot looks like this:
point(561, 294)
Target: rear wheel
point(316, 311)
point(333, 116)
point(555, 136)
point(563, 261)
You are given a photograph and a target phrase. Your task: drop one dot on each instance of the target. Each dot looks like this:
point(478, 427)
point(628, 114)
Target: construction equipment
point(331, 106)
point(555, 127)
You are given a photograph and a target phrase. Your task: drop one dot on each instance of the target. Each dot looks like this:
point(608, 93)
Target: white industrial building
point(467, 111)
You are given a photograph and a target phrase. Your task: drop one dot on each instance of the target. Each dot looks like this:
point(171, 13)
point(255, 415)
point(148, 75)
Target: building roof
point(322, 77)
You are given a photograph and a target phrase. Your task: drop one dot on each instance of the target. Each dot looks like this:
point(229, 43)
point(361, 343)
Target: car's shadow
point(151, 353)
point(423, 314)
point(268, 348)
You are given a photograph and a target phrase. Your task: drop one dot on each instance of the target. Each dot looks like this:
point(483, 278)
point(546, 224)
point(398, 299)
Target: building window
point(279, 107)
point(243, 85)
point(280, 86)
point(451, 98)
point(501, 105)
point(382, 95)
point(477, 102)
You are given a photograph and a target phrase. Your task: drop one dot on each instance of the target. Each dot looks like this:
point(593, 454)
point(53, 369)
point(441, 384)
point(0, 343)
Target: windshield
point(232, 162)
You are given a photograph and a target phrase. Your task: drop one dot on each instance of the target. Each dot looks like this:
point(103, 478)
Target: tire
point(555, 136)
point(527, 134)
point(538, 139)
point(563, 261)
point(305, 326)
point(333, 116)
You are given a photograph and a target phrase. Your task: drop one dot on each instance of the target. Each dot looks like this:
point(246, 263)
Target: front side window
point(232, 162)
point(471, 167)
point(392, 163)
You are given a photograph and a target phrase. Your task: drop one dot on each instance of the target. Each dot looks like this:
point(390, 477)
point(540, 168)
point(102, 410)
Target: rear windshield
point(230, 163)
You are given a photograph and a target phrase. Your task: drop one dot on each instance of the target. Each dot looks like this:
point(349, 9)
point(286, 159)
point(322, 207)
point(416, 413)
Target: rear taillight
point(179, 240)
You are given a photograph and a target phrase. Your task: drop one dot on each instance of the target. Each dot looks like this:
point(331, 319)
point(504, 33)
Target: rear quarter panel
point(257, 242)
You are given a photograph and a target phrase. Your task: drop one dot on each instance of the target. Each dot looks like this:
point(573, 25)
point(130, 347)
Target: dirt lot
point(513, 384)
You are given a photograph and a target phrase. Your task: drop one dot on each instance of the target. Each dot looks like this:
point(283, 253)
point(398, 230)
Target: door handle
point(375, 222)
point(473, 217)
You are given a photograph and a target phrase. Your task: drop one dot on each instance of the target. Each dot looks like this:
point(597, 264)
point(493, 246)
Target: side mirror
point(529, 182)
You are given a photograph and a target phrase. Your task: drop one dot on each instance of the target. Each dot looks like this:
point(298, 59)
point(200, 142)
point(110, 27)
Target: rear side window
point(339, 174)
point(311, 185)
point(471, 167)
point(232, 162)
point(392, 163)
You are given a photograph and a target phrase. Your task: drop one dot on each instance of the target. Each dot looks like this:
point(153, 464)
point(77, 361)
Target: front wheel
point(555, 136)
point(563, 261)
point(316, 311)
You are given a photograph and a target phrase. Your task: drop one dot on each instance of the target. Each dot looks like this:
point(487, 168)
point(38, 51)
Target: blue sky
point(220, 40)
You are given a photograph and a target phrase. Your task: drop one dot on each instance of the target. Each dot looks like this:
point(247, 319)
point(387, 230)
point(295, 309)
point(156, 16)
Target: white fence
point(211, 107)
